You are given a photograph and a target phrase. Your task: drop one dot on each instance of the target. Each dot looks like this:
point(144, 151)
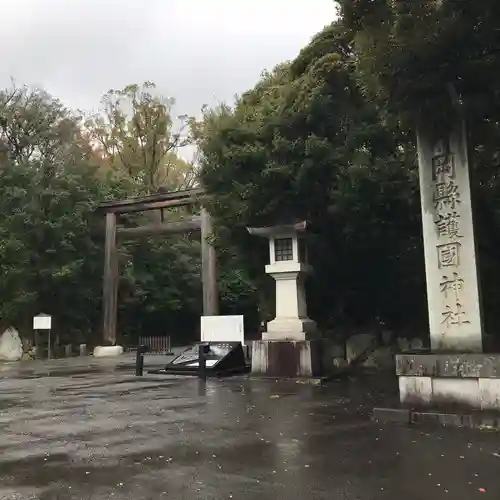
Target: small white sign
point(42, 322)
point(222, 329)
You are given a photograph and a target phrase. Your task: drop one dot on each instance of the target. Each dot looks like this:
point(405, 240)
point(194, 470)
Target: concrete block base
point(109, 351)
point(287, 358)
point(470, 381)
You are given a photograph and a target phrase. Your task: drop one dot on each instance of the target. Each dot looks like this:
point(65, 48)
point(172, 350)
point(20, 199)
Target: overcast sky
point(198, 51)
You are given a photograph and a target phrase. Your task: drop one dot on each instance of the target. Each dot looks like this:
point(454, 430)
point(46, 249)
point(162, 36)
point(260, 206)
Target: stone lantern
point(286, 349)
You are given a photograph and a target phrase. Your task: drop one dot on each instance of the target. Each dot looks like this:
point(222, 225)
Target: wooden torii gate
point(156, 202)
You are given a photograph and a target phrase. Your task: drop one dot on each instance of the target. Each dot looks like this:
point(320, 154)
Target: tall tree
point(305, 143)
point(36, 127)
point(136, 135)
point(414, 55)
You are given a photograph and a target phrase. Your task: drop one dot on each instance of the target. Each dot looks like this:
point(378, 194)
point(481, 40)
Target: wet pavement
point(89, 429)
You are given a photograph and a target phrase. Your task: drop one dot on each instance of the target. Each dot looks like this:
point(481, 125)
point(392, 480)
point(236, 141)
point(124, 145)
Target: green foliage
point(52, 178)
point(36, 127)
point(416, 55)
point(50, 250)
point(327, 137)
point(306, 144)
point(160, 287)
point(421, 59)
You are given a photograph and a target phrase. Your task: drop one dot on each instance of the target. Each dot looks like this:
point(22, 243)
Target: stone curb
point(386, 415)
point(479, 420)
point(298, 380)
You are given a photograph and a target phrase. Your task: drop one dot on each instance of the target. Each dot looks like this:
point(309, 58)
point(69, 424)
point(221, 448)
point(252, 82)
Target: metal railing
point(159, 344)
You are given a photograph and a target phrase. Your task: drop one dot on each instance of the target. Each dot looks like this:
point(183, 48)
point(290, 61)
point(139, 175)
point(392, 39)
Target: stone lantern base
point(288, 358)
point(290, 329)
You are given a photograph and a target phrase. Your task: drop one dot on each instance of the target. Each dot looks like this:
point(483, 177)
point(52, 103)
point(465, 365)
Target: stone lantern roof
point(268, 231)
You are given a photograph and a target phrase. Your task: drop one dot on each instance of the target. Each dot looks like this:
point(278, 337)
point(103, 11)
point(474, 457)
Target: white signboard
point(42, 322)
point(222, 329)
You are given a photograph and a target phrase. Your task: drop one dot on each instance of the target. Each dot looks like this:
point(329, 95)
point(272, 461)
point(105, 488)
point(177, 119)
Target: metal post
point(49, 347)
point(37, 344)
point(139, 360)
point(202, 360)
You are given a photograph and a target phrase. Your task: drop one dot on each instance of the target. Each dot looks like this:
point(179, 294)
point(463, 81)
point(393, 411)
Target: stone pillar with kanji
point(455, 371)
point(450, 251)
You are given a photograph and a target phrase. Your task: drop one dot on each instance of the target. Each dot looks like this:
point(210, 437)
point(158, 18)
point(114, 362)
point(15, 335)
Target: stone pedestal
point(288, 359)
point(469, 381)
point(291, 321)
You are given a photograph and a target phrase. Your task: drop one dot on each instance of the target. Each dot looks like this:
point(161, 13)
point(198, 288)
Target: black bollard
point(203, 350)
point(139, 360)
